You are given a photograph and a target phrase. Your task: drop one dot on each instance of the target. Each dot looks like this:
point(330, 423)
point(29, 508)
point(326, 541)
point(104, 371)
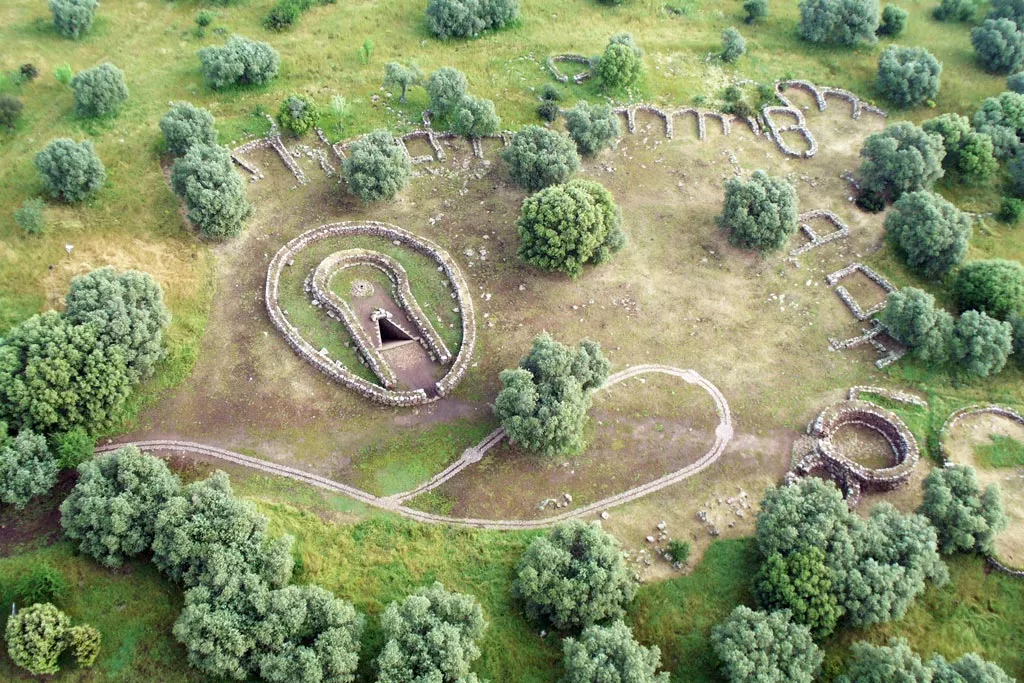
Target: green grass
point(1003, 451)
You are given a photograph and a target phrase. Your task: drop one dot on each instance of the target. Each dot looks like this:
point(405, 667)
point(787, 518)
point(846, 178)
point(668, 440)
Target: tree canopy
point(928, 232)
point(763, 647)
point(99, 91)
point(539, 157)
point(36, 637)
point(73, 18)
point(185, 125)
point(298, 114)
point(592, 127)
point(759, 213)
point(27, 467)
point(621, 64)
point(377, 167)
point(910, 317)
point(993, 286)
point(1002, 118)
point(840, 22)
point(999, 45)
point(981, 344)
point(214, 193)
point(446, 87)
point(402, 76)
point(240, 61)
point(469, 18)
point(71, 171)
point(902, 158)
point(966, 517)
point(893, 663)
point(908, 76)
point(969, 153)
point(612, 655)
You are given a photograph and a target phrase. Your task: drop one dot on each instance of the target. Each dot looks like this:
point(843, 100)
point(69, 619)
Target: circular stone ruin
point(318, 286)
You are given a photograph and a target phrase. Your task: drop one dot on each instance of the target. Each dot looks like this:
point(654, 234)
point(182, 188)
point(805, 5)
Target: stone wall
point(841, 231)
point(850, 302)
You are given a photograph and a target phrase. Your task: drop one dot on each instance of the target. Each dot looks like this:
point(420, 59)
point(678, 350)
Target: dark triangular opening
point(391, 334)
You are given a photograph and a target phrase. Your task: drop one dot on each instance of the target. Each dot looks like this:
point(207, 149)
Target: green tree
point(43, 583)
point(29, 216)
point(760, 647)
point(998, 45)
point(908, 76)
point(895, 663)
point(928, 232)
point(27, 467)
point(404, 76)
point(539, 157)
point(755, 9)
point(469, 18)
point(377, 167)
point(240, 61)
point(475, 117)
point(840, 22)
point(574, 577)
point(72, 447)
point(446, 87)
point(911, 318)
point(592, 127)
point(759, 213)
point(966, 517)
point(112, 510)
point(298, 114)
point(213, 192)
point(1002, 118)
point(71, 171)
point(621, 64)
point(432, 635)
point(981, 344)
point(36, 637)
point(610, 654)
point(902, 158)
point(73, 18)
point(968, 669)
point(733, 45)
point(1015, 83)
point(84, 642)
point(185, 125)
point(956, 10)
point(1007, 9)
point(894, 21)
point(99, 91)
point(802, 584)
point(993, 286)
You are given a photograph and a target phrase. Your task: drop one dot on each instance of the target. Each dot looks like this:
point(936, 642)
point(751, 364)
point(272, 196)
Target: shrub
point(71, 171)
point(29, 216)
point(27, 468)
point(73, 447)
point(112, 510)
point(548, 111)
point(678, 550)
point(1015, 83)
point(970, 668)
point(928, 232)
point(10, 111)
point(474, 117)
point(549, 93)
point(538, 157)
point(733, 45)
point(981, 344)
point(402, 76)
point(574, 577)
point(377, 167)
point(755, 9)
point(955, 10)
point(283, 14)
point(1007, 9)
point(840, 22)
point(204, 18)
point(36, 637)
point(213, 192)
point(469, 18)
point(64, 74)
point(185, 125)
point(565, 227)
point(446, 87)
point(610, 653)
point(908, 76)
point(994, 286)
point(895, 663)
point(800, 583)
point(240, 61)
point(298, 115)
point(894, 21)
point(621, 65)
point(759, 213)
point(759, 647)
point(84, 642)
point(1011, 210)
point(28, 72)
point(592, 127)
point(43, 583)
point(99, 91)
point(911, 318)
point(998, 45)
point(543, 403)
point(902, 158)
point(431, 635)
point(966, 518)
point(73, 18)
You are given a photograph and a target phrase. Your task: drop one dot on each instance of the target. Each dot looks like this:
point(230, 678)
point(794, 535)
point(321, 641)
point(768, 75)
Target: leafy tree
point(908, 76)
point(377, 167)
point(469, 18)
point(1015, 83)
point(621, 65)
point(29, 216)
point(298, 114)
point(185, 125)
point(36, 637)
point(765, 647)
point(911, 318)
point(206, 535)
point(240, 61)
point(902, 158)
point(10, 111)
point(99, 91)
point(474, 117)
point(966, 518)
point(929, 233)
point(1011, 210)
point(446, 88)
point(112, 510)
point(610, 653)
point(213, 192)
point(981, 344)
point(1007, 9)
point(574, 577)
point(840, 22)
point(733, 45)
point(432, 635)
point(70, 170)
point(565, 227)
point(968, 669)
point(759, 213)
point(998, 45)
point(592, 127)
point(43, 583)
point(802, 584)
point(84, 642)
point(539, 157)
point(895, 663)
point(894, 21)
point(27, 468)
point(128, 312)
point(404, 76)
point(755, 9)
point(994, 286)
point(73, 18)
point(955, 10)
point(1002, 118)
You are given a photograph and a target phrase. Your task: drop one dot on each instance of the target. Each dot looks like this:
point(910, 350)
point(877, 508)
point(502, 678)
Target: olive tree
point(1007, 9)
point(36, 637)
point(27, 467)
point(402, 76)
point(185, 125)
point(970, 668)
point(298, 114)
point(955, 10)
point(755, 9)
point(99, 91)
point(733, 45)
point(981, 344)
point(73, 18)
point(213, 192)
point(240, 61)
point(469, 18)
point(765, 647)
point(112, 510)
point(894, 663)
point(928, 232)
point(966, 517)
point(610, 653)
point(71, 171)
point(1002, 117)
point(475, 117)
point(908, 76)
point(894, 21)
point(621, 65)
point(1015, 83)
point(969, 154)
point(840, 22)
point(902, 158)
point(446, 87)
point(592, 127)
point(565, 227)
point(759, 213)
point(999, 45)
point(801, 583)
point(377, 167)
point(994, 286)
point(910, 317)
point(539, 157)
point(574, 577)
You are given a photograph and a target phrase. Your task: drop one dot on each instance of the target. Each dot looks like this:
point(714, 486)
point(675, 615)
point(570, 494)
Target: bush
point(543, 403)
point(994, 286)
point(73, 447)
point(610, 653)
point(432, 635)
point(29, 216)
point(759, 213)
point(928, 232)
point(185, 125)
point(1015, 83)
point(966, 518)
point(759, 647)
point(240, 61)
point(213, 192)
point(99, 91)
point(474, 117)
point(733, 45)
point(565, 227)
point(28, 72)
point(64, 74)
point(1007, 9)
point(574, 577)
point(402, 76)
point(377, 167)
point(283, 14)
point(112, 510)
point(36, 637)
point(955, 10)
point(548, 111)
point(1011, 210)
point(538, 157)
point(755, 9)
point(446, 87)
point(894, 21)
point(10, 111)
point(71, 171)
point(73, 18)
point(840, 22)
point(908, 76)
point(621, 65)
point(204, 18)
point(298, 115)
point(911, 318)
point(1002, 118)
point(84, 642)
point(27, 467)
point(469, 18)
point(998, 45)
point(902, 158)
point(549, 93)
point(895, 663)
point(592, 127)
point(43, 583)
point(981, 344)
point(679, 551)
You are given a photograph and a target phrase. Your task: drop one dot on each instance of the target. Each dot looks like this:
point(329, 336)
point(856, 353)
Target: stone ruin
point(841, 230)
point(851, 303)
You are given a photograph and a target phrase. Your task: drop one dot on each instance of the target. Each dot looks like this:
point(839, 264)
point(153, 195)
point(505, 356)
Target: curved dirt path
point(723, 434)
